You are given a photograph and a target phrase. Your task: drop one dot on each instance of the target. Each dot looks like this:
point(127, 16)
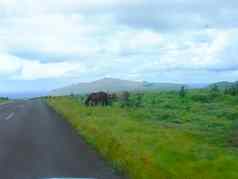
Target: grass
point(167, 137)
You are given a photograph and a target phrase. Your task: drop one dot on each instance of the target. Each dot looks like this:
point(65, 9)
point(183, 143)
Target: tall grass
point(165, 137)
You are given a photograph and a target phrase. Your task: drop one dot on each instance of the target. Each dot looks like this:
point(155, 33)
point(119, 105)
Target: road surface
point(37, 143)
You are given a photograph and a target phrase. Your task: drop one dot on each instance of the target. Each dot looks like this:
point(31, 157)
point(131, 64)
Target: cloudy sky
point(50, 43)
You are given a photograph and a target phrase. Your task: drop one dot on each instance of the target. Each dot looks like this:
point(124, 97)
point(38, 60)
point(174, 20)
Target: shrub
point(232, 90)
point(182, 92)
point(204, 98)
point(214, 91)
point(136, 100)
point(125, 99)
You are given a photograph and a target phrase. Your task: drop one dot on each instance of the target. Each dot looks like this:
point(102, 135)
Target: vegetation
point(232, 90)
point(3, 99)
point(159, 135)
point(182, 92)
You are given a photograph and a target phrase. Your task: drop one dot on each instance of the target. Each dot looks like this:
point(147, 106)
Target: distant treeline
point(4, 98)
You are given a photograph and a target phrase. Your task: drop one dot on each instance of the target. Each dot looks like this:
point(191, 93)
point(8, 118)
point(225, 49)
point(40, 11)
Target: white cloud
point(31, 70)
point(135, 39)
point(8, 65)
point(23, 69)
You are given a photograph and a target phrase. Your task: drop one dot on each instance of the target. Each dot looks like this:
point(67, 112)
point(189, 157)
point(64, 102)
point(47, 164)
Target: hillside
point(113, 85)
point(222, 85)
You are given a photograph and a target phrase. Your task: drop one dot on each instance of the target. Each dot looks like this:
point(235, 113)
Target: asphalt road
point(37, 143)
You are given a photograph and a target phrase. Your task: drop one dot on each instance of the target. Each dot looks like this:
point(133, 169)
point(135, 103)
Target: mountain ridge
point(114, 85)
point(223, 84)
point(118, 85)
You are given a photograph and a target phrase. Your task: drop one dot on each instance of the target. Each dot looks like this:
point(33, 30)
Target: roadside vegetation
point(162, 135)
point(3, 99)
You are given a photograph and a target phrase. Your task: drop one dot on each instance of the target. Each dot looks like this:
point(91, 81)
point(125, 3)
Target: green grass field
point(160, 135)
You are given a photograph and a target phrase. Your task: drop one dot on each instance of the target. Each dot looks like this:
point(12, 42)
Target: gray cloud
point(44, 57)
point(180, 15)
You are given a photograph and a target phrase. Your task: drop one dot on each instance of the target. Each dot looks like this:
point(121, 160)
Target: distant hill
point(222, 85)
point(113, 85)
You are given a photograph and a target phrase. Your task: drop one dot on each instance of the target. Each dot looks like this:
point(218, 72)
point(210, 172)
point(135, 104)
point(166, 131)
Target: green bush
point(204, 98)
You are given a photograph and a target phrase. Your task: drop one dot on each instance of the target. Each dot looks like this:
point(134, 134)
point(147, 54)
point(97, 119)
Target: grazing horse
point(96, 98)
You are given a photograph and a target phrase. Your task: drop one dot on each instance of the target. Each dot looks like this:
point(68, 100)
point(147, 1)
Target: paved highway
point(37, 143)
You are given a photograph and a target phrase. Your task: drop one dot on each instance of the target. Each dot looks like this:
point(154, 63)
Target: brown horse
point(97, 98)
